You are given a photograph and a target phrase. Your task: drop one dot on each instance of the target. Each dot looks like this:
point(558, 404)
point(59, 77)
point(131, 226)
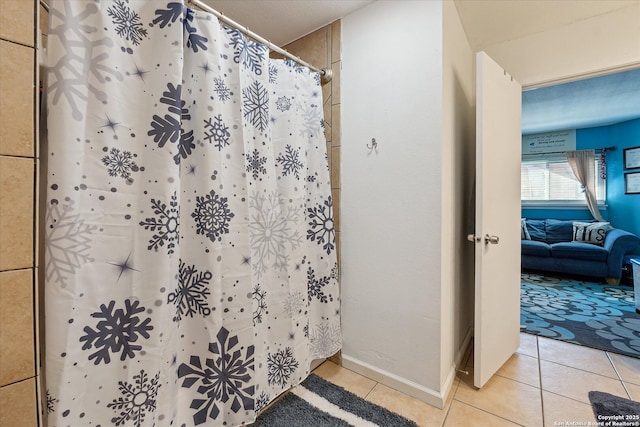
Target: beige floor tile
point(505, 398)
point(523, 368)
point(634, 391)
point(576, 356)
point(349, 380)
point(422, 413)
point(575, 383)
point(558, 409)
point(528, 345)
point(628, 368)
point(462, 414)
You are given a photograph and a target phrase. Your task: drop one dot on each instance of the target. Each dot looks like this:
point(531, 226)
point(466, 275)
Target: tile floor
point(545, 382)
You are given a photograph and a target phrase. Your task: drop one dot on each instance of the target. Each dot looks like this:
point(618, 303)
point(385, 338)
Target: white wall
point(391, 200)
point(458, 171)
point(599, 43)
point(408, 81)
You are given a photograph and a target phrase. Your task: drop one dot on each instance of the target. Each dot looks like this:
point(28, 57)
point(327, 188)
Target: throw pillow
point(524, 233)
point(537, 229)
point(559, 230)
point(590, 232)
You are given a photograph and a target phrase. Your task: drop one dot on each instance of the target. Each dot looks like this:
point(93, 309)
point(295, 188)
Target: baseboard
point(408, 387)
point(457, 363)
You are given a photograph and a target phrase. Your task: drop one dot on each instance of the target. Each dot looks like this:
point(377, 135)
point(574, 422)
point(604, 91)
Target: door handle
point(491, 239)
point(473, 238)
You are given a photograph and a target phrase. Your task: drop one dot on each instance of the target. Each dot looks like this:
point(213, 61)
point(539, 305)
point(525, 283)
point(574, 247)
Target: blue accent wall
point(623, 209)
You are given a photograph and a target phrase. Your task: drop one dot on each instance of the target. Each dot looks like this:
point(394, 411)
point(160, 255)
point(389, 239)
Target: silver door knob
point(491, 239)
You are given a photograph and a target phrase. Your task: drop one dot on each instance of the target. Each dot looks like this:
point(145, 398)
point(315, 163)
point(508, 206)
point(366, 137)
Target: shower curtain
point(191, 272)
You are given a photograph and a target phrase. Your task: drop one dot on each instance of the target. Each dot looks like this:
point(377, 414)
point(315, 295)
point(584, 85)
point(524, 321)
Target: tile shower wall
point(322, 49)
point(19, 372)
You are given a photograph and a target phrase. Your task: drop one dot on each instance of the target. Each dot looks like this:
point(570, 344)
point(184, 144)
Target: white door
point(497, 228)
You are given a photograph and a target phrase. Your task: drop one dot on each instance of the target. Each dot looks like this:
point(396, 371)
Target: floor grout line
point(579, 369)
point(369, 392)
point(626, 390)
point(540, 382)
point(457, 387)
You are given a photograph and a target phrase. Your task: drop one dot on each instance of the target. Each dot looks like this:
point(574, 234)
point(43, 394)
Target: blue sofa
point(551, 248)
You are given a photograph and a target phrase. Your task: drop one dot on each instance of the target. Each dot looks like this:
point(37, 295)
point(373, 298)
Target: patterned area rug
point(591, 314)
point(319, 403)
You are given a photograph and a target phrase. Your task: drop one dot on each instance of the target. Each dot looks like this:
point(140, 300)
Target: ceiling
point(283, 21)
point(597, 101)
point(586, 103)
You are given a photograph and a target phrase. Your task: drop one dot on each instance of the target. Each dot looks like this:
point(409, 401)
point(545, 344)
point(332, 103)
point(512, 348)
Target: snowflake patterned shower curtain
point(191, 274)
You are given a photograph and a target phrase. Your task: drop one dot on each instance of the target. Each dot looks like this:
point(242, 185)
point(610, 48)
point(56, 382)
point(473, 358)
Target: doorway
point(602, 112)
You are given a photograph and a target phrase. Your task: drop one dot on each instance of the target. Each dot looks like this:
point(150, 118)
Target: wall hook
point(373, 146)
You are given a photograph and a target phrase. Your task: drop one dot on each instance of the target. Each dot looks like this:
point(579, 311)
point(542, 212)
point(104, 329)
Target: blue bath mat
point(591, 314)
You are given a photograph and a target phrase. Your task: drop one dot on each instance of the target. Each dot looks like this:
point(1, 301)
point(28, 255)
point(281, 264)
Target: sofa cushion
point(590, 232)
point(524, 233)
point(534, 248)
point(576, 250)
point(559, 231)
point(536, 229)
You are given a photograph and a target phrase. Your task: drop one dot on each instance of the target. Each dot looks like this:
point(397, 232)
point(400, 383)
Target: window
point(549, 178)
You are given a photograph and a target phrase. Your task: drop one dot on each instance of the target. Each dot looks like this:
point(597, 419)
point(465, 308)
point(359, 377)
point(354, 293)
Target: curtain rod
point(562, 152)
point(325, 73)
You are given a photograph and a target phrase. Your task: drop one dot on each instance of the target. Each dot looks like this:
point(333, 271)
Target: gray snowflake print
point(271, 232)
point(178, 11)
point(118, 331)
point(216, 131)
point(312, 121)
point(315, 286)
point(321, 226)
point(224, 378)
point(280, 366)
point(191, 295)
point(259, 303)
point(166, 226)
point(255, 105)
point(262, 401)
point(171, 126)
point(255, 164)
point(67, 243)
point(248, 53)
point(283, 103)
point(212, 216)
point(84, 61)
point(120, 163)
point(273, 73)
point(138, 398)
point(294, 303)
point(221, 89)
point(51, 402)
point(325, 340)
point(127, 22)
point(290, 161)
